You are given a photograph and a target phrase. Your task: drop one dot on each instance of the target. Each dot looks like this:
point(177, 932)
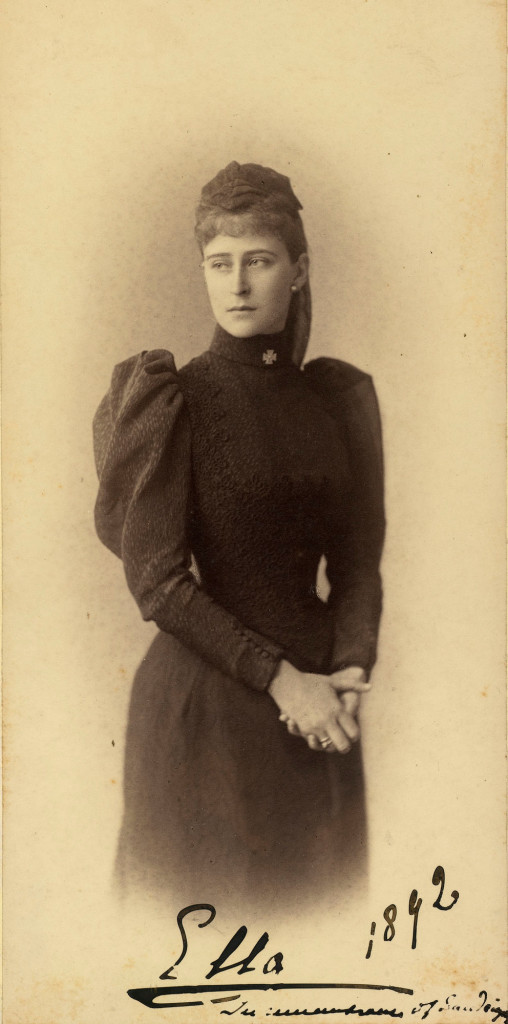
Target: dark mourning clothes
point(222, 486)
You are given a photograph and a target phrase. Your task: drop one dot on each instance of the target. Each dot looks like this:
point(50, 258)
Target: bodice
point(255, 469)
point(271, 479)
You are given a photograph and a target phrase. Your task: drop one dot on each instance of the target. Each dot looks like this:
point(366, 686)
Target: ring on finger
point(326, 742)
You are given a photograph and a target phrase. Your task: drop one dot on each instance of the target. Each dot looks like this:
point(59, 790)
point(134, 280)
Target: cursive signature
point(241, 957)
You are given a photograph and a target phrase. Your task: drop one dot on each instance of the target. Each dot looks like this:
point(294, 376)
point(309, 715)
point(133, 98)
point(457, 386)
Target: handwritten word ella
point(273, 964)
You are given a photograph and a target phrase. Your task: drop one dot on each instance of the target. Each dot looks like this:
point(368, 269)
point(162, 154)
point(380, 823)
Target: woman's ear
point(302, 270)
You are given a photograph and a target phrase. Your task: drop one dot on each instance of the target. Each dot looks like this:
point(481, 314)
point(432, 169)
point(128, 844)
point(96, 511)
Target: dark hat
point(240, 186)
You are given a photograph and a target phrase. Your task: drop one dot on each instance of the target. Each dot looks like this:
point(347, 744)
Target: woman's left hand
point(350, 701)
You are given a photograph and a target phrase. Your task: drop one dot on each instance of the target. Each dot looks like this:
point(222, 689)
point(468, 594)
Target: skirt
point(222, 803)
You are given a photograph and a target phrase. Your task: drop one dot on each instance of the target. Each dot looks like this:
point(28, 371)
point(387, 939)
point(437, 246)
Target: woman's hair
point(250, 198)
point(257, 219)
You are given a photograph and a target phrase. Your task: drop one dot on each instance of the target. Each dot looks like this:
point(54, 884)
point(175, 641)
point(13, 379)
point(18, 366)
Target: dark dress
point(221, 487)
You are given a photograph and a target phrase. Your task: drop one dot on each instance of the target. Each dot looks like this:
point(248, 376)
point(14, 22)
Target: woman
point(222, 486)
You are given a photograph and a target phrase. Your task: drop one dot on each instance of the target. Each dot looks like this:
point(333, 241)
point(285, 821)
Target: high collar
point(265, 351)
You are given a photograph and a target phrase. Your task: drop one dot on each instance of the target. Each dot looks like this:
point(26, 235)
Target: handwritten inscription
point(273, 964)
point(422, 1011)
point(419, 1013)
point(414, 905)
point(245, 1011)
point(454, 1004)
point(165, 997)
point(241, 956)
point(430, 1010)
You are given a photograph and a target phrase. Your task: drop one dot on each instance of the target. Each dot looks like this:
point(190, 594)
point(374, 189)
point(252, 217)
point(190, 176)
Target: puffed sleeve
point(356, 542)
point(142, 442)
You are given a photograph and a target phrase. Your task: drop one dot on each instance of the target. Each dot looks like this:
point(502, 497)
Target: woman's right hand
point(310, 702)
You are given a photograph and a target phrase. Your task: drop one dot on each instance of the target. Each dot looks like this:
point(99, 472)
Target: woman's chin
point(240, 328)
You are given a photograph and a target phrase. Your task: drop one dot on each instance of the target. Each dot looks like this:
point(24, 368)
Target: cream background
point(388, 118)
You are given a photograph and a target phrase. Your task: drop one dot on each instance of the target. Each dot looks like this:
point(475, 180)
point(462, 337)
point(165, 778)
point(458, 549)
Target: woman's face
point(249, 280)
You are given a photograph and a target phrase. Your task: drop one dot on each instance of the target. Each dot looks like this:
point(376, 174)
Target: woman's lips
point(241, 314)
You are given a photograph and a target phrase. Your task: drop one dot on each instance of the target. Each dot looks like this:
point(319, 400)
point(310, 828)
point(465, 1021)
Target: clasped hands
point(320, 708)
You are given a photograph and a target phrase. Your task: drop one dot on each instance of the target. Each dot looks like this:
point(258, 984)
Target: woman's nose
point(240, 282)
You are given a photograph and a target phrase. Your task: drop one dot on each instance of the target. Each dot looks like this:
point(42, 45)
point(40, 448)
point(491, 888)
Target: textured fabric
point(250, 470)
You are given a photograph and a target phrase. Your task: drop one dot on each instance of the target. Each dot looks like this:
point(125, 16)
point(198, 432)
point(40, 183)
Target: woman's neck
point(262, 350)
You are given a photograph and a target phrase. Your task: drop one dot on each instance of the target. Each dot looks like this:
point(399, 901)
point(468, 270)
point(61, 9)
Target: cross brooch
point(269, 356)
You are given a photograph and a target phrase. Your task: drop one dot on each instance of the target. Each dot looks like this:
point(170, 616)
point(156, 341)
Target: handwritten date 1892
point(415, 902)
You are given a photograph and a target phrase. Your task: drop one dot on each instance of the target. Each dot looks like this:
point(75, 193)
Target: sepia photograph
point(254, 411)
point(256, 471)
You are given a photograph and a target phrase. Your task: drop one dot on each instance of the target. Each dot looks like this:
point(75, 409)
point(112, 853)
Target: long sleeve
point(356, 540)
point(142, 440)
